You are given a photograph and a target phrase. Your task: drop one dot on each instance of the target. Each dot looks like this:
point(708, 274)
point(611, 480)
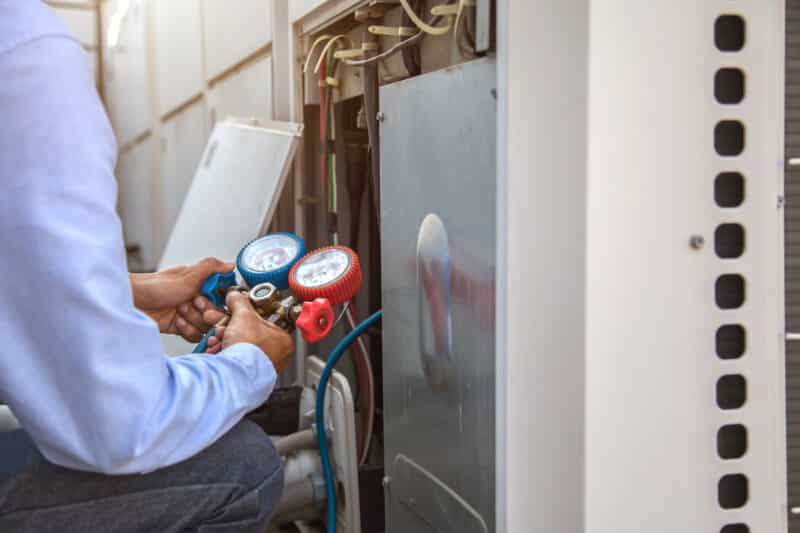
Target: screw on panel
point(386, 481)
point(381, 117)
point(781, 201)
point(696, 242)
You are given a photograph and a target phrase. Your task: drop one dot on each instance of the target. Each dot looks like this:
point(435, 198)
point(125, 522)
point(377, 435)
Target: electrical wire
point(370, 375)
point(316, 43)
point(364, 380)
point(424, 26)
point(388, 53)
point(411, 41)
point(331, 43)
point(339, 318)
point(319, 414)
point(323, 139)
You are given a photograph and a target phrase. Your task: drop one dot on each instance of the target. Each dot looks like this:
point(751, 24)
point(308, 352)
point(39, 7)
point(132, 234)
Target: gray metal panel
point(438, 179)
point(792, 250)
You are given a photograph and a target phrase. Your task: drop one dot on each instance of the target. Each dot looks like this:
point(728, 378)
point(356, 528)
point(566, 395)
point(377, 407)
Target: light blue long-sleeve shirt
point(80, 367)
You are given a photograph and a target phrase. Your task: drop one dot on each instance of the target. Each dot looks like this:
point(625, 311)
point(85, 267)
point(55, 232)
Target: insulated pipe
point(371, 108)
point(304, 497)
point(356, 183)
point(296, 441)
point(411, 55)
point(300, 465)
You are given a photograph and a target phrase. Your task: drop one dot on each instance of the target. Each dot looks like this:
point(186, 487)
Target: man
point(117, 437)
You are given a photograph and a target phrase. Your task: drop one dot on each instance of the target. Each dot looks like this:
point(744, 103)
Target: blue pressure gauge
point(269, 259)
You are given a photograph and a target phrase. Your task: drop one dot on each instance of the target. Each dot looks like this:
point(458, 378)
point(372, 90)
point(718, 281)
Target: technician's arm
point(82, 369)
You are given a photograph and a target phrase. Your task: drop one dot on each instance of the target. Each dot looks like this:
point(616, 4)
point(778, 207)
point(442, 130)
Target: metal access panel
point(438, 190)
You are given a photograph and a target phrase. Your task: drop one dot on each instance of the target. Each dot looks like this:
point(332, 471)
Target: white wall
point(178, 51)
point(234, 29)
point(298, 8)
point(81, 19)
point(183, 138)
point(135, 174)
point(178, 67)
point(246, 93)
point(126, 71)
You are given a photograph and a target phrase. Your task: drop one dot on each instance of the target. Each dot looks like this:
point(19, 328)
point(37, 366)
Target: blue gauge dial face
point(322, 269)
point(270, 253)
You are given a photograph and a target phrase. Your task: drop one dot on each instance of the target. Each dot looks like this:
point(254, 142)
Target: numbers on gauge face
point(322, 269)
point(270, 254)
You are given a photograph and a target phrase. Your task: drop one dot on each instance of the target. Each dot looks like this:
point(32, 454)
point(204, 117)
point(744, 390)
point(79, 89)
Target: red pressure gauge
point(332, 272)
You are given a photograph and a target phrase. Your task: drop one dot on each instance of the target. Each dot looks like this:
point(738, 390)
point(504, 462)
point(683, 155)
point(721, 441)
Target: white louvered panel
point(792, 251)
point(657, 393)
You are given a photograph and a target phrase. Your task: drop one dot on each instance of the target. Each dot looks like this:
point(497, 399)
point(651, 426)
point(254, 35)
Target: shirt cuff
point(256, 364)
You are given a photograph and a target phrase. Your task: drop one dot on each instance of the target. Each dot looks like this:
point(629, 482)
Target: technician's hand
point(172, 298)
point(247, 326)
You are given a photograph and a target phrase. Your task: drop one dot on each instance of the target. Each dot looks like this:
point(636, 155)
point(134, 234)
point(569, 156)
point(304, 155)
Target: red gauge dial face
point(333, 273)
point(323, 268)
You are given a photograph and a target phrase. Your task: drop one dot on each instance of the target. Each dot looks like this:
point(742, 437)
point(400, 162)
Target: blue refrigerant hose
point(322, 440)
point(202, 346)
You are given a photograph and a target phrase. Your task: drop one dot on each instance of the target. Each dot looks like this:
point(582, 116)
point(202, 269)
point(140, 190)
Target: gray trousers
point(231, 486)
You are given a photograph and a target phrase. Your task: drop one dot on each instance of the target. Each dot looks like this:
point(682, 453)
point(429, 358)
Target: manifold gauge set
point(287, 286)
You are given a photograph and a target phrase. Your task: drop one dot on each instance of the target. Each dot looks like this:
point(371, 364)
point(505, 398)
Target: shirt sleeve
point(81, 368)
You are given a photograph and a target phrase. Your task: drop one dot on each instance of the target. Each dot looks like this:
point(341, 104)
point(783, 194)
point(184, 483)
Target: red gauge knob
point(315, 320)
point(332, 272)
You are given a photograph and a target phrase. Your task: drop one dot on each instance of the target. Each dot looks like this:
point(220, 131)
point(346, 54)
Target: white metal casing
point(651, 365)
point(600, 283)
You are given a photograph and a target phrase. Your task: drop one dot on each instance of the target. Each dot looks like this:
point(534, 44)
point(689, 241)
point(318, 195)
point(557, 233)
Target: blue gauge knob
point(269, 259)
point(216, 287)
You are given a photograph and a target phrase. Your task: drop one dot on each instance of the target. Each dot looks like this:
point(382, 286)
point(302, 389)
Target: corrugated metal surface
point(793, 256)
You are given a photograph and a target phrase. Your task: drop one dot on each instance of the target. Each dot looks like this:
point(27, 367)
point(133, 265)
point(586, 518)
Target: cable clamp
point(331, 81)
point(348, 54)
point(445, 10)
point(333, 42)
point(451, 9)
point(392, 31)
